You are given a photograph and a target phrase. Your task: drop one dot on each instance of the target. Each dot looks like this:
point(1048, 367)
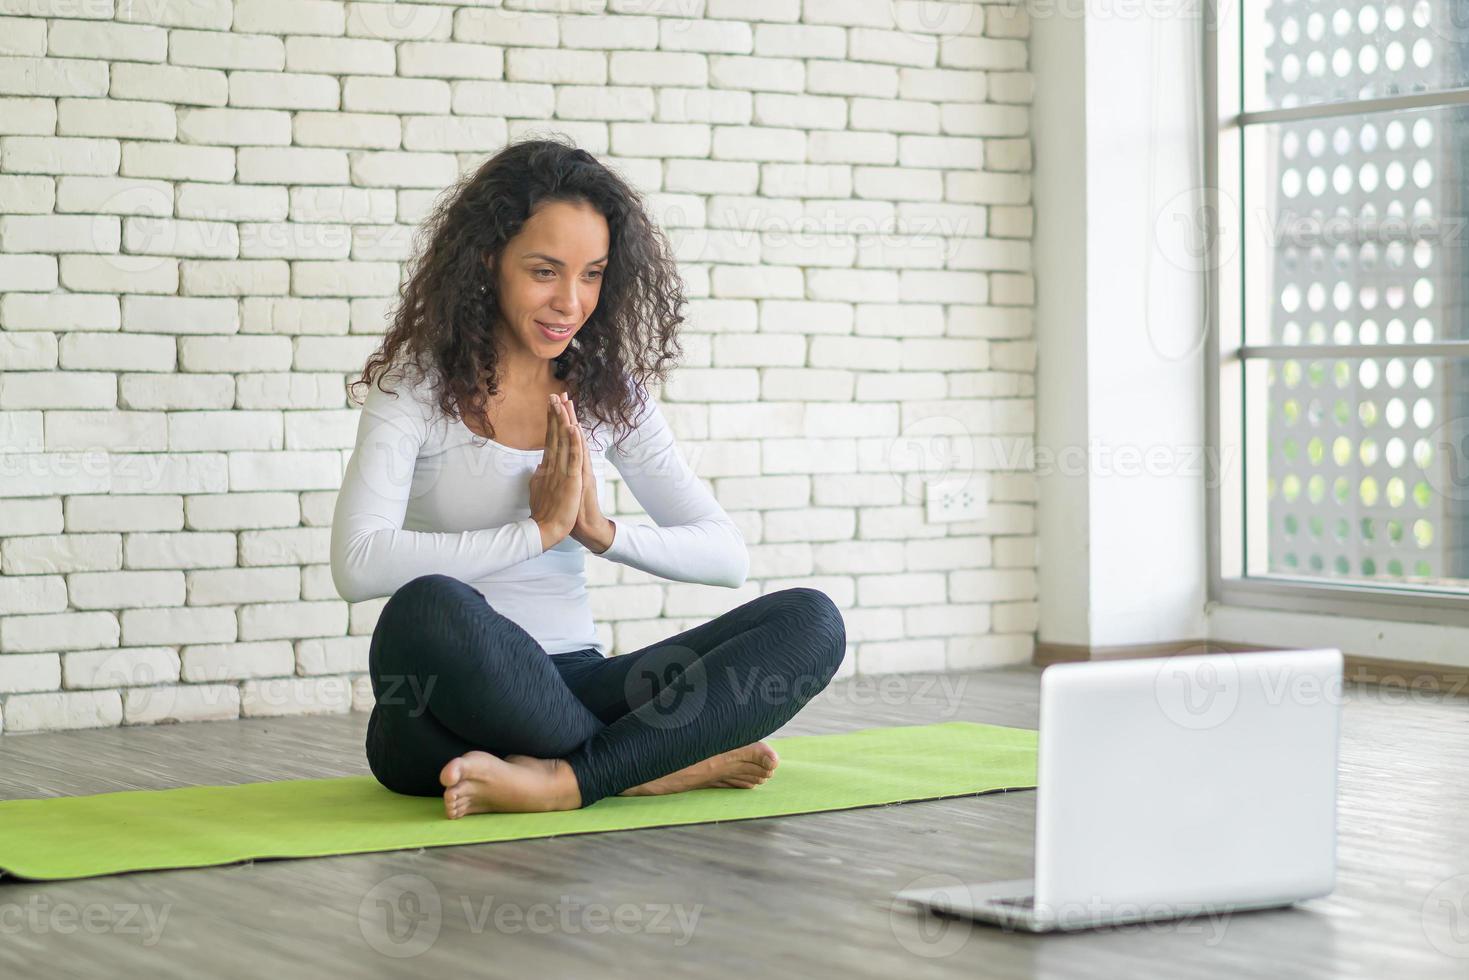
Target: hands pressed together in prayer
point(563, 490)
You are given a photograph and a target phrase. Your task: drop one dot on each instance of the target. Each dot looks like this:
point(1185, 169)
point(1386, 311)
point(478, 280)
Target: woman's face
point(550, 276)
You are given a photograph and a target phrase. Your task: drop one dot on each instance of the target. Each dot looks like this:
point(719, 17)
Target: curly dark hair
point(444, 322)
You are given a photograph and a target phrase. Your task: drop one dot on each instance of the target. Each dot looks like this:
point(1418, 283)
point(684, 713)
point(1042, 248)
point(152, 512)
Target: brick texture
point(193, 201)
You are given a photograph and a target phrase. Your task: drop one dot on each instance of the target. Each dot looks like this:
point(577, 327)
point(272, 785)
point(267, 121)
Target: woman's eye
point(548, 271)
point(595, 274)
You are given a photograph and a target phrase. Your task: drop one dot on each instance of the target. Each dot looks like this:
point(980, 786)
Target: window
point(1340, 381)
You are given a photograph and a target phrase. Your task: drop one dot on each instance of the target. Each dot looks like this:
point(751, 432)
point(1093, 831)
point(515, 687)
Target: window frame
point(1224, 121)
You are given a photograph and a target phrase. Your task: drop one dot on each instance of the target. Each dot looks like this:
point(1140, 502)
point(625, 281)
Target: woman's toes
point(449, 775)
point(769, 758)
point(747, 776)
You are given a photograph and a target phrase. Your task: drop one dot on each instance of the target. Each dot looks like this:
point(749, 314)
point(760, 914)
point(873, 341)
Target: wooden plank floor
point(810, 893)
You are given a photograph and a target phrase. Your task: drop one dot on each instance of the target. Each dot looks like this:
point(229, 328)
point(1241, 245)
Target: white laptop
point(1173, 787)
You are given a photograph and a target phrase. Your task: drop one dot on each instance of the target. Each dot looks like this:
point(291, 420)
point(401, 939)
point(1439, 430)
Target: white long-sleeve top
point(423, 494)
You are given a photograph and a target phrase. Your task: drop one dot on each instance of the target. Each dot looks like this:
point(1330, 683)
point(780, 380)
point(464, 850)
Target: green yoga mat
point(200, 826)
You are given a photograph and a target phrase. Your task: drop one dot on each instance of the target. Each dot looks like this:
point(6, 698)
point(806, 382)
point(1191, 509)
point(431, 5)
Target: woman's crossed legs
point(470, 706)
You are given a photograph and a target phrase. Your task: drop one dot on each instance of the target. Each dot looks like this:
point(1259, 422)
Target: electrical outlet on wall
point(951, 500)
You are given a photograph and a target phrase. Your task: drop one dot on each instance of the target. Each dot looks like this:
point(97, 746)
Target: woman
point(545, 298)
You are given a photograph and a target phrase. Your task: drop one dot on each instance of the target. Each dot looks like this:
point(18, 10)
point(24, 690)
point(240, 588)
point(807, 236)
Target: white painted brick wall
point(205, 211)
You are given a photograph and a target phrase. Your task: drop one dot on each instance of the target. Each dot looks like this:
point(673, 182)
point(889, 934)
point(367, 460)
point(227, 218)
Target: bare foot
point(743, 768)
point(478, 782)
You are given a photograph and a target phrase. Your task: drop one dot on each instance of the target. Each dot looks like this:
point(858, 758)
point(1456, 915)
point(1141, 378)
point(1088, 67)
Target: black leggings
point(451, 674)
